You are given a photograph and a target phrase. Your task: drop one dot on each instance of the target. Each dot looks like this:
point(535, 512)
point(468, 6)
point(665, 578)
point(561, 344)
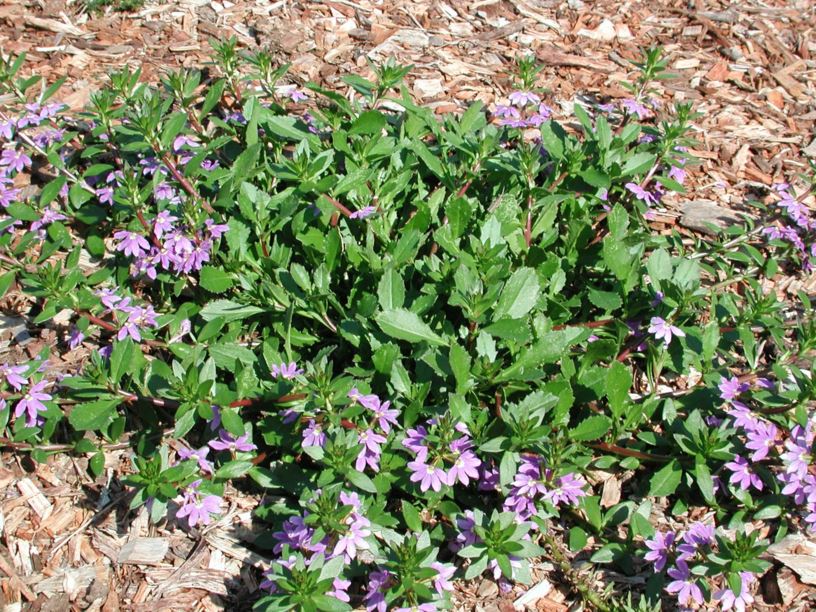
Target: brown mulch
point(67, 540)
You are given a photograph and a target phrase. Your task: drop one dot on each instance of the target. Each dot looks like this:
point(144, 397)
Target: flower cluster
point(197, 507)
point(526, 110)
point(534, 481)
point(800, 228)
point(375, 432)
point(681, 553)
point(443, 455)
point(134, 319)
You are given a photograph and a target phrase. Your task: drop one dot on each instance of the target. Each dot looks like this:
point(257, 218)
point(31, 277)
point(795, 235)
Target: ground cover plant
point(424, 337)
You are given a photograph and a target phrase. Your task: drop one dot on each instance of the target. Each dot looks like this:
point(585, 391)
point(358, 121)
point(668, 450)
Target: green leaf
point(391, 290)
point(704, 481)
point(93, 416)
point(370, 122)
point(605, 300)
point(638, 163)
point(666, 480)
point(577, 539)
point(233, 469)
point(411, 516)
point(406, 325)
point(460, 365)
point(519, 295)
point(229, 310)
point(591, 428)
point(618, 383)
point(214, 280)
point(361, 481)
point(659, 266)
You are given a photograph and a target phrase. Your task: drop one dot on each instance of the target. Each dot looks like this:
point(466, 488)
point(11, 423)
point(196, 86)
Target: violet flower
point(338, 590)
point(297, 96)
point(523, 98)
point(228, 442)
point(32, 403)
point(198, 509)
point(743, 475)
point(678, 174)
point(374, 599)
point(286, 371)
point(659, 548)
point(464, 467)
point(313, 435)
point(131, 243)
point(641, 194)
point(75, 339)
point(569, 489)
point(415, 439)
point(163, 223)
point(731, 388)
point(633, 107)
point(363, 213)
point(761, 439)
point(740, 602)
point(664, 330)
point(14, 159)
point(442, 581)
point(684, 584)
point(428, 475)
point(12, 375)
point(139, 318)
point(354, 539)
point(199, 455)
point(370, 401)
point(386, 416)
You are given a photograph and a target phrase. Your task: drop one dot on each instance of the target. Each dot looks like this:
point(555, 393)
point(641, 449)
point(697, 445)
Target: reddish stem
point(337, 205)
point(185, 184)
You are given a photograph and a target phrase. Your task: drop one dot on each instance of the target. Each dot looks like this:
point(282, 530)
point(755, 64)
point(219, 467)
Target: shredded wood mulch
point(68, 541)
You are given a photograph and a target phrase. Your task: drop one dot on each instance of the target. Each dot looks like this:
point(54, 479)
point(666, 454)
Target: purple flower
point(139, 318)
point(697, 536)
point(523, 98)
point(297, 96)
point(658, 299)
point(375, 599)
point(507, 112)
point(199, 455)
point(743, 475)
point(464, 467)
point(49, 216)
point(150, 165)
point(313, 435)
point(163, 223)
point(442, 580)
point(76, 338)
point(742, 416)
point(659, 548)
point(354, 539)
point(12, 375)
point(230, 443)
point(678, 174)
point(761, 439)
point(105, 194)
point(182, 141)
point(415, 438)
point(569, 489)
point(339, 587)
point(488, 478)
point(296, 534)
point(731, 388)
point(371, 451)
point(6, 129)
point(131, 243)
point(286, 371)
point(363, 213)
point(729, 600)
point(684, 584)
point(386, 416)
point(428, 475)
point(663, 330)
point(371, 401)
point(198, 509)
point(642, 194)
point(15, 160)
point(633, 107)
point(32, 403)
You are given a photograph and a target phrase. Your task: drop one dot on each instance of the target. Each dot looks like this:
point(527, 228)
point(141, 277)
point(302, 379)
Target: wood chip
point(52, 25)
point(143, 551)
point(35, 498)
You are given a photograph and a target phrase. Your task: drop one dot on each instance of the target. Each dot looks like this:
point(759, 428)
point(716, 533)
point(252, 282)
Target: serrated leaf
point(666, 480)
point(229, 310)
point(605, 300)
point(591, 428)
point(391, 290)
point(93, 416)
point(214, 280)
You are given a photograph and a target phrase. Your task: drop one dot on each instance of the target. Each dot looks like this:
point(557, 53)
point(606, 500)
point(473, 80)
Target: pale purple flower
point(76, 338)
point(696, 536)
point(7, 129)
point(428, 475)
point(731, 388)
point(765, 383)
point(743, 475)
point(15, 160)
point(761, 439)
point(370, 401)
point(297, 96)
point(48, 216)
point(569, 489)
point(32, 403)
point(488, 478)
point(684, 585)
point(641, 194)
point(354, 539)
point(105, 194)
point(363, 213)
point(13, 375)
point(633, 107)
point(199, 455)
point(507, 112)
point(237, 117)
point(182, 141)
point(658, 299)
point(523, 98)
point(659, 548)
point(663, 330)
point(131, 243)
point(740, 603)
point(386, 416)
point(228, 442)
point(464, 467)
point(215, 421)
point(466, 536)
point(374, 599)
point(150, 165)
point(209, 165)
point(216, 230)
point(139, 318)
point(313, 435)
point(442, 581)
point(163, 223)
point(286, 371)
point(108, 297)
point(338, 590)
point(297, 535)
point(742, 416)
point(415, 438)
point(678, 174)
point(198, 509)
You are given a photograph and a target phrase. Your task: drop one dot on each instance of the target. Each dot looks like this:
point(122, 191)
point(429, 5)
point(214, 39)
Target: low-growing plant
point(428, 336)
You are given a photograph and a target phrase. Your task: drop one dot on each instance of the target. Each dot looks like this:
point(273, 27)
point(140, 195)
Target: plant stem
point(578, 582)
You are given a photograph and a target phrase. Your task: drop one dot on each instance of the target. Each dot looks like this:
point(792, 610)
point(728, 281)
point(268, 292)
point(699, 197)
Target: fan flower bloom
point(12, 375)
point(313, 435)
point(684, 585)
point(286, 371)
point(427, 475)
point(659, 548)
point(641, 194)
point(131, 243)
point(197, 509)
point(199, 455)
point(743, 475)
point(364, 212)
point(523, 98)
point(663, 330)
point(32, 403)
point(228, 442)
point(761, 439)
point(728, 599)
point(731, 388)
